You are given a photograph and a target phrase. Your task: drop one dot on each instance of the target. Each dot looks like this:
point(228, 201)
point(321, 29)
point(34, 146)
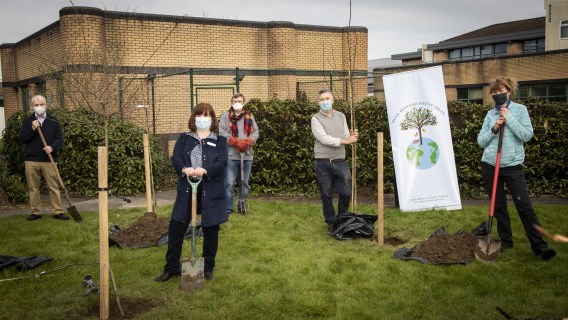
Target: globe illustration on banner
point(423, 156)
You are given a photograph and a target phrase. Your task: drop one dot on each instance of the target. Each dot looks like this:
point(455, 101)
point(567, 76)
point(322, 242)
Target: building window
point(455, 54)
point(467, 53)
point(480, 51)
point(500, 48)
point(535, 45)
point(25, 99)
point(564, 29)
point(40, 88)
point(546, 92)
point(486, 50)
point(472, 95)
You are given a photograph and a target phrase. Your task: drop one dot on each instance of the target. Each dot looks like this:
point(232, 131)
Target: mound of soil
point(442, 248)
point(145, 232)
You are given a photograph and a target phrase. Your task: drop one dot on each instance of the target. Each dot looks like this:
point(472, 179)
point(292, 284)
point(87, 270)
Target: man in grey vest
point(331, 134)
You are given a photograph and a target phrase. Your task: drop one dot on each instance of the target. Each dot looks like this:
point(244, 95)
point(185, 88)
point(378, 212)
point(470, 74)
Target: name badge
point(211, 144)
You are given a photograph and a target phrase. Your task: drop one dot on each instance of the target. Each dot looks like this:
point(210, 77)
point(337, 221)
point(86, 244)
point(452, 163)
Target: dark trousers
point(329, 175)
point(514, 179)
point(176, 232)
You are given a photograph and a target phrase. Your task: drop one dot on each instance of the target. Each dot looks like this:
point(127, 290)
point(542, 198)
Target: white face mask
point(203, 123)
point(237, 106)
point(39, 110)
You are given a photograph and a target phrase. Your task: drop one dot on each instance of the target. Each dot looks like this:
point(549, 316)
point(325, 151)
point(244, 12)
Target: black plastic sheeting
point(351, 226)
point(22, 263)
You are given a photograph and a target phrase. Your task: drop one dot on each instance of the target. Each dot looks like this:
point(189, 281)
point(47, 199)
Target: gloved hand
point(250, 142)
point(233, 141)
point(242, 145)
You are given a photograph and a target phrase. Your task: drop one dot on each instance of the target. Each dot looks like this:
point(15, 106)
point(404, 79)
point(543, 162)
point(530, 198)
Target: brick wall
point(273, 56)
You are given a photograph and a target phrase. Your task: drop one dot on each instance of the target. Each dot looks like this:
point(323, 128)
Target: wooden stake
point(380, 191)
point(103, 232)
point(149, 206)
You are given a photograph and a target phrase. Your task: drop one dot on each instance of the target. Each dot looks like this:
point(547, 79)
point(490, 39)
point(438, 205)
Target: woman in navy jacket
point(202, 153)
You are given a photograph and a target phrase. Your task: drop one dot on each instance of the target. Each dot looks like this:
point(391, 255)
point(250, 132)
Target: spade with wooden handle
point(555, 237)
point(71, 209)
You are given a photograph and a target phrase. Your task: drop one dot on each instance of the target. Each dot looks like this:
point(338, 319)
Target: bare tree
point(351, 59)
point(92, 75)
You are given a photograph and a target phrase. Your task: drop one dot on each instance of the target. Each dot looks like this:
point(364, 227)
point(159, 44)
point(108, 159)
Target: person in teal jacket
point(514, 119)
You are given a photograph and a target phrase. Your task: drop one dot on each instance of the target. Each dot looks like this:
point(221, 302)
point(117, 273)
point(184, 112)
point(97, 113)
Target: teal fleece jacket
point(518, 130)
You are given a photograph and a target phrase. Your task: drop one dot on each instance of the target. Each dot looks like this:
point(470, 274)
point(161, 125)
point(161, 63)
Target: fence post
point(237, 78)
point(191, 87)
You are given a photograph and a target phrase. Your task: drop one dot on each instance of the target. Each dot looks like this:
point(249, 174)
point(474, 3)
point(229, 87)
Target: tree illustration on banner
point(423, 152)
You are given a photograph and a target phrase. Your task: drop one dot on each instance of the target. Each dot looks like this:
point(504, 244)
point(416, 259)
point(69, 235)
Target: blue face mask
point(325, 105)
point(202, 123)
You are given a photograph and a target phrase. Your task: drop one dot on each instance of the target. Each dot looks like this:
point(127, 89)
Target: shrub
point(284, 153)
point(13, 188)
point(77, 163)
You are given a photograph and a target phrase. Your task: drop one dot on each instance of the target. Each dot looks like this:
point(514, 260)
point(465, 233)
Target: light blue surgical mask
point(326, 105)
point(203, 123)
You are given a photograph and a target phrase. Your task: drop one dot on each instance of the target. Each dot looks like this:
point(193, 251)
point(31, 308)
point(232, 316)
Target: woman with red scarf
point(239, 127)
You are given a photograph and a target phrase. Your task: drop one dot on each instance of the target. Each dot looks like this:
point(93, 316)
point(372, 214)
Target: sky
point(395, 26)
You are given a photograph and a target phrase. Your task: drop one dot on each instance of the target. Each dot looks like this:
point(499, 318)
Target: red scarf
point(247, 123)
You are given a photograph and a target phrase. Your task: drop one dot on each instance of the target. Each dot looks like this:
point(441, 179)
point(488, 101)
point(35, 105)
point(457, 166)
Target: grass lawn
point(277, 263)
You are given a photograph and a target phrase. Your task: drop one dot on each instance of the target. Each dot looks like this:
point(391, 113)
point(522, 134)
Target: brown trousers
point(34, 172)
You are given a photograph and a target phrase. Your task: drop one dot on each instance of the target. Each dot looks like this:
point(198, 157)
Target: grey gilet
point(334, 127)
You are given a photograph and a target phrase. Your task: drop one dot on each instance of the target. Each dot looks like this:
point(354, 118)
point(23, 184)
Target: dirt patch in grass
point(145, 232)
point(393, 241)
point(447, 248)
point(389, 241)
point(132, 307)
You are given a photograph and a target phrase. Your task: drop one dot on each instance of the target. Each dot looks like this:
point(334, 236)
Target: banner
point(422, 147)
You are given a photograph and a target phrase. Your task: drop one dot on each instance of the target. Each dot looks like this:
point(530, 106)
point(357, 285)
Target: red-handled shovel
point(487, 249)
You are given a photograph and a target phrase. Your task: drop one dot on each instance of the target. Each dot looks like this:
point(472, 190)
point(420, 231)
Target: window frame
point(527, 91)
point(25, 91)
point(469, 98)
point(563, 26)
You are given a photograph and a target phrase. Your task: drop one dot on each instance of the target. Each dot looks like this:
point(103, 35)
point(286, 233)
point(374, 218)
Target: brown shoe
point(330, 229)
point(33, 217)
point(61, 216)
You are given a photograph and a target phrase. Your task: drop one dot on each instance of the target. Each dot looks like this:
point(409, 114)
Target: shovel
point(192, 274)
point(242, 201)
point(555, 237)
point(487, 249)
point(71, 209)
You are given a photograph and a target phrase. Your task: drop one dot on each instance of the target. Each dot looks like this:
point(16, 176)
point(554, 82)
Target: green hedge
point(283, 155)
point(83, 134)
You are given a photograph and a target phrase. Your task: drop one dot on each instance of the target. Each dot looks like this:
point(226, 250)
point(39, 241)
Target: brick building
point(170, 63)
point(532, 51)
